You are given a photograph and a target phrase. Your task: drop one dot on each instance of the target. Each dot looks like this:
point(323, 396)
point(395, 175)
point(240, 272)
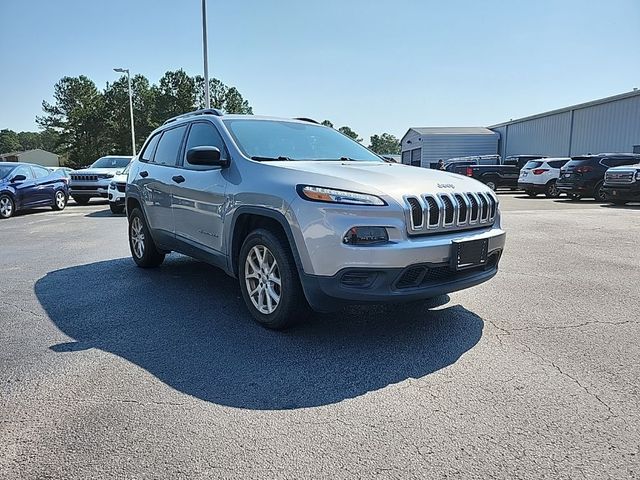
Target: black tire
point(492, 184)
point(81, 200)
point(574, 197)
point(599, 194)
point(144, 250)
point(116, 208)
point(7, 206)
point(551, 191)
point(59, 200)
point(291, 305)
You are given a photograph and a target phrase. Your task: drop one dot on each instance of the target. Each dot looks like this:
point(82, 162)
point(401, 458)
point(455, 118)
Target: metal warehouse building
point(610, 124)
point(425, 146)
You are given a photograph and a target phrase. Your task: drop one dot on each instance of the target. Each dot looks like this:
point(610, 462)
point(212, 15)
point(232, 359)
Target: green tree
point(349, 133)
point(221, 96)
point(327, 123)
point(78, 115)
point(29, 140)
point(9, 141)
point(174, 95)
point(385, 144)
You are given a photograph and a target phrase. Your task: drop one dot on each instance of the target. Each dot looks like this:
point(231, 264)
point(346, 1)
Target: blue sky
point(373, 65)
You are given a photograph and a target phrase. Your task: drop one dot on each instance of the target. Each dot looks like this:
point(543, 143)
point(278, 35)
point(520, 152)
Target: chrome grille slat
point(442, 212)
point(622, 177)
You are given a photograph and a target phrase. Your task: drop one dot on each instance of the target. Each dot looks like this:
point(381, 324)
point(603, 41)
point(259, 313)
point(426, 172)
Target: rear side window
point(40, 172)
point(147, 155)
point(557, 163)
point(204, 134)
point(169, 146)
point(531, 165)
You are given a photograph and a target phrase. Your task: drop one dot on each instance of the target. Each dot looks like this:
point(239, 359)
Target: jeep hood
point(391, 179)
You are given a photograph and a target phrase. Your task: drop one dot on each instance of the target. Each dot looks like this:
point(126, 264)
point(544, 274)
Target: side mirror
point(19, 178)
point(206, 156)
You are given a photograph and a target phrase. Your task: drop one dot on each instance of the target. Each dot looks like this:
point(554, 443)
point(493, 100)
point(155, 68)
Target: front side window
point(111, 162)
point(169, 146)
point(23, 170)
point(204, 134)
point(281, 139)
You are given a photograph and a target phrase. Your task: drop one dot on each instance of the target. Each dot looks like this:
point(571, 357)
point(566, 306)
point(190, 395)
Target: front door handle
point(144, 174)
point(178, 178)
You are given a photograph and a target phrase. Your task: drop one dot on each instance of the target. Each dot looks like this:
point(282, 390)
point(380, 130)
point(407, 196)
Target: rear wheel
point(492, 185)
point(269, 280)
point(81, 199)
point(143, 249)
point(598, 193)
point(59, 200)
point(7, 206)
point(116, 208)
point(552, 190)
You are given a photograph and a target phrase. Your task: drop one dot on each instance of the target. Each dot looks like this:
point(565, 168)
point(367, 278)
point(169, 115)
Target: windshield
point(531, 165)
point(5, 170)
point(111, 162)
point(274, 139)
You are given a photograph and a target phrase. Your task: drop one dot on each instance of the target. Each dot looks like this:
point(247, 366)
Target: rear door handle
point(144, 174)
point(178, 178)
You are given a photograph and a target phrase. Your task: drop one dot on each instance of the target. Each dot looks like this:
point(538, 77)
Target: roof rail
point(203, 111)
point(305, 119)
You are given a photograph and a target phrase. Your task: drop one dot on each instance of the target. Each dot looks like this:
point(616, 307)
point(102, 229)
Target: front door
point(199, 196)
point(26, 190)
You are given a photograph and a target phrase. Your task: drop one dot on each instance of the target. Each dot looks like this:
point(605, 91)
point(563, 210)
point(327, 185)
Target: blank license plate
point(469, 254)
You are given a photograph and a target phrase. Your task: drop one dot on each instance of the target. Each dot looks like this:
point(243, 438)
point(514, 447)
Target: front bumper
point(389, 285)
point(89, 189)
point(629, 193)
point(115, 196)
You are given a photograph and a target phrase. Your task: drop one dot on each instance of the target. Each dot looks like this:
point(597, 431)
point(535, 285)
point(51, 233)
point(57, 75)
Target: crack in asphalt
point(22, 310)
point(564, 327)
point(554, 365)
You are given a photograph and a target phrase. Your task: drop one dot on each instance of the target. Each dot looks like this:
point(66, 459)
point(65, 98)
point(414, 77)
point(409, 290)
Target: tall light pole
point(207, 102)
point(133, 135)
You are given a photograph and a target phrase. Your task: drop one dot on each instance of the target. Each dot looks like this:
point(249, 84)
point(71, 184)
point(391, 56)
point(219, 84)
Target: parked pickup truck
point(493, 176)
point(622, 184)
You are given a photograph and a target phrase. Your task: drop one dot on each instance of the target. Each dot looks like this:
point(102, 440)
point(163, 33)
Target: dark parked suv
point(584, 176)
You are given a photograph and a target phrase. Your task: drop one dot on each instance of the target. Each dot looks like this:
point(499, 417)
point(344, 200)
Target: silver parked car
point(303, 215)
point(94, 181)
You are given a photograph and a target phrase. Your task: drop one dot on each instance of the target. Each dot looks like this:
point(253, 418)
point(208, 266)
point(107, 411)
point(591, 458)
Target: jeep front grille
point(84, 178)
point(621, 177)
point(450, 212)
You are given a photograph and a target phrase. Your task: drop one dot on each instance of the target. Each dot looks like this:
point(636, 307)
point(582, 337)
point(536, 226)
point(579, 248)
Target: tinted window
point(169, 146)
point(23, 170)
point(557, 163)
point(40, 172)
point(295, 140)
point(204, 134)
point(531, 165)
point(5, 170)
point(147, 154)
point(616, 162)
point(111, 162)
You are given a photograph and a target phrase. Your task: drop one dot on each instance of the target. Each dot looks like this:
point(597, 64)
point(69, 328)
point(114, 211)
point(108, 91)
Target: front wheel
point(59, 200)
point(269, 280)
point(598, 193)
point(143, 249)
point(552, 190)
point(116, 208)
point(7, 206)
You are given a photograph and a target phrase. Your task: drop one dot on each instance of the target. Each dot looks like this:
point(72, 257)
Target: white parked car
point(116, 191)
point(540, 176)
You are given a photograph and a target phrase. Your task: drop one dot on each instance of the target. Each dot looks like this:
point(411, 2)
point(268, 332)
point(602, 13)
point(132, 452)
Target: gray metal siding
point(610, 127)
point(435, 147)
point(546, 136)
point(502, 132)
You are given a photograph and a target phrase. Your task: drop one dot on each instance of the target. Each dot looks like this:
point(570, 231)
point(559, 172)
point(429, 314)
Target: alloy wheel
point(262, 278)
point(60, 200)
point(6, 207)
point(492, 186)
point(137, 237)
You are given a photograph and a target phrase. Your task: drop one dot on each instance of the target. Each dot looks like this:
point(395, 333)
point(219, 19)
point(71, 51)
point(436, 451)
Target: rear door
point(154, 179)
point(45, 185)
point(199, 196)
point(26, 193)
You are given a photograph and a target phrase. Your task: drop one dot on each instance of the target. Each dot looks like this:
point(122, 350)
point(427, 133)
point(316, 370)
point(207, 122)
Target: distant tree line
point(381, 144)
point(84, 123)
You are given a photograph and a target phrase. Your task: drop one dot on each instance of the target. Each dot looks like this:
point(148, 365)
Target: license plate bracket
point(467, 254)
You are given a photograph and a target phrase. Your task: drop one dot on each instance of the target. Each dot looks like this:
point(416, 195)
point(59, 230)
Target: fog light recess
point(366, 236)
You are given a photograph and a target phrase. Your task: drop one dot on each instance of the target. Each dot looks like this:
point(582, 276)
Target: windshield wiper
point(272, 159)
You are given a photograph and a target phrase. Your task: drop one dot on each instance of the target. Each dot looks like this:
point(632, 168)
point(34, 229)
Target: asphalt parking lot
point(110, 371)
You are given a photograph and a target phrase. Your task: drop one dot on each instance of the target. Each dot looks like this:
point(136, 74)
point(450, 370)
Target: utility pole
point(207, 101)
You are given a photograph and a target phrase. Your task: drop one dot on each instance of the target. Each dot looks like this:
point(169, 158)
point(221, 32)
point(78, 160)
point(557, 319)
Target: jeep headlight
point(112, 185)
point(330, 195)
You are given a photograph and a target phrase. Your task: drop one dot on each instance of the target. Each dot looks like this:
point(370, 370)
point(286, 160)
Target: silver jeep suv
point(304, 216)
